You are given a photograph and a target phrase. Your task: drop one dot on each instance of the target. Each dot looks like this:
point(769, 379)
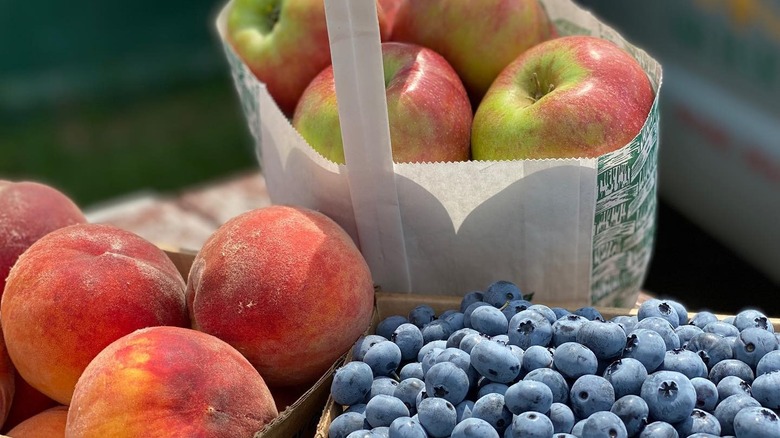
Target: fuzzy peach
point(28, 211)
point(49, 423)
point(169, 382)
point(76, 290)
point(286, 286)
point(27, 402)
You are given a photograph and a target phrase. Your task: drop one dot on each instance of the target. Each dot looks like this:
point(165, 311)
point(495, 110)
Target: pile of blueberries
point(503, 367)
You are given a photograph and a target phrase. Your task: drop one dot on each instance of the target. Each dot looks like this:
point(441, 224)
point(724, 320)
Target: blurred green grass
point(103, 99)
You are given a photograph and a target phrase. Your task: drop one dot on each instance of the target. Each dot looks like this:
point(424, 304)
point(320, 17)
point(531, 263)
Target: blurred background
point(103, 100)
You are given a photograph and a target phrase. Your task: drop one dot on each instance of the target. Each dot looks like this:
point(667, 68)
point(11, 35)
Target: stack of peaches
point(103, 336)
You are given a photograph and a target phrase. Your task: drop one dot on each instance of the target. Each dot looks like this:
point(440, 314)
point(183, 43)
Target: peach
point(49, 423)
point(286, 286)
point(7, 382)
point(76, 290)
point(169, 382)
point(29, 211)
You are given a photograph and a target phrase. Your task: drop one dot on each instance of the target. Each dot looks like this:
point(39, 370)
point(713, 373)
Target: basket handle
point(356, 53)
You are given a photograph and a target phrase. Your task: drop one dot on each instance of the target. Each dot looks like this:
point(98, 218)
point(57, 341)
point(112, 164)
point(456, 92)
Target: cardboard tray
point(297, 420)
point(388, 304)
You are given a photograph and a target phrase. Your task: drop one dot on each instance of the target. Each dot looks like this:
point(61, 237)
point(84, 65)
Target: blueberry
point(766, 389)
point(362, 345)
point(721, 328)
point(448, 381)
point(770, 362)
point(560, 312)
point(703, 318)
point(646, 346)
point(682, 312)
point(469, 310)
point(357, 407)
point(470, 340)
point(383, 409)
point(633, 411)
point(535, 357)
point(502, 338)
point(589, 312)
point(441, 345)
point(576, 430)
point(351, 383)
point(728, 408)
point(731, 367)
point(469, 299)
point(626, 376)
point(437, 416)
point(686, 362)
point(514, 307)
point(573, 360)
point(711, 348)
point(495, 362)
point(561, 417)
point(407, 391)
point(554, 380)
point(429, 359)
point(387, 326)
point(383, 358)
point(501, 292)
point(382, 385)
point(730, 385)
point(491, 388)
point(406, 427)
point(626, 322)
point(528, 395)
point(489, 320)
point(462, 360)
point(658, 308)
point(659, 429)
point(670, 396)
point(347, 423)
point(663, 328)
point(492, 409)
point(755, 422)
point(753, 343)
point(565, 328)
point(411, 369)
point(699, 422)
point(604, 338)
point(529, 327)
point(421, 315)
point(437, 330)
point(474, 428)
point(532, 425)
point(686, 332)
point(604, 424)
point(454, 319)
point(752, 318)
point(409, 339)
point(458, 335)
point(362, 433)
point(589, 394)
point(463, 410)
point(706, 394)
point(545, 311)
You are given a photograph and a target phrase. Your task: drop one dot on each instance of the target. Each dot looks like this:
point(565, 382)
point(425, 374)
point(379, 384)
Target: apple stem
point(538, 94)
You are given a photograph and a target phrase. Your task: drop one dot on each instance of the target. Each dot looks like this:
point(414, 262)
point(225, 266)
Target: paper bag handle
point(356, 52)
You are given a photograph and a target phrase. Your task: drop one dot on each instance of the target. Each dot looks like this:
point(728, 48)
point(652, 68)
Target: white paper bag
point(568, 230)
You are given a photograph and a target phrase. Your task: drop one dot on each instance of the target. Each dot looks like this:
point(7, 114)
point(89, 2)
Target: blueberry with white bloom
point(633, 411)
point(448, 381)
point(646, 346)
point(573, 360)
point(561, 417)
point(721, 328)
point(535, 357)
point(495, 361)
point(474, 428)
point(670, 396)
point(658, 308)
point(699, 422)
point(469, 299)
point(532, 425)
point(529, 327)
point(387, 326)
point(554, 380)
point(766, 389)
point(409, 339)
point(528, 395)
point(703, 318)
point(752, 318)
point(351, 383)
point(492, 409)
point(437, 416)
point(501, 292)
point(383, 409)
point(565, 328)
point(770, 362)
point(659, 429)
point(663, 328)
point(604, 424)
point(753, 343)
point(605, 338)
point(706, 394)
point(589, 394)
point(626, 376)
point(731, 385)
point(406, 427)
point(731, 367)
point(728, 408)
point(686, 362)
point(755, 422)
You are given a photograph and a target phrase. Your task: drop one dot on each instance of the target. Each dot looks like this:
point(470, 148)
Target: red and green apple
point(569, 97)
point(428, 109)
point(284, 43)
point(478, 38)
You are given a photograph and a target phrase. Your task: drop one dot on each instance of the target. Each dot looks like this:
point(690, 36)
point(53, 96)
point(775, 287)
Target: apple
point(420, 84)
point(569, 97)
point(478, 38)
point(284, 43)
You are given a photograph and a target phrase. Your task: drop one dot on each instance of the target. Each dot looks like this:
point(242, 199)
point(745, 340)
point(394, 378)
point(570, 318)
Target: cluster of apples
point(465, 80)
point(103, 336)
